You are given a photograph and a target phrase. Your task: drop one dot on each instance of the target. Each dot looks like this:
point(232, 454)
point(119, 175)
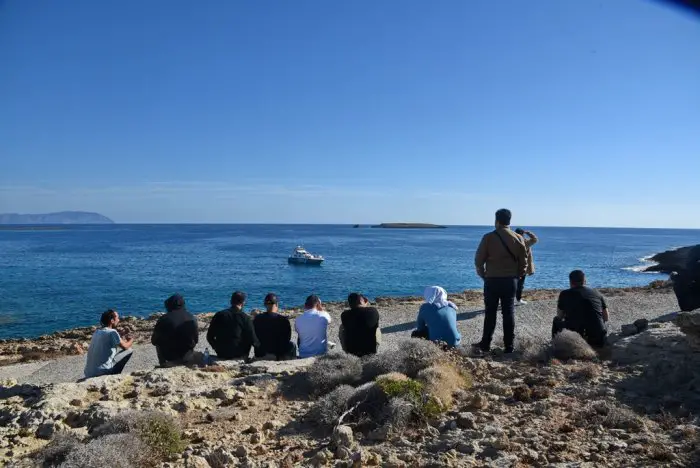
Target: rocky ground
point(635, 405)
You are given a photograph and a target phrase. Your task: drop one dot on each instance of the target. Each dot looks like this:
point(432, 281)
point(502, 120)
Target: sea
point(61, 277)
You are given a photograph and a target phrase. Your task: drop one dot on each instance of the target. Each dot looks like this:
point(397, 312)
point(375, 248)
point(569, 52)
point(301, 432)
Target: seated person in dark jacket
point(231, 331)
point(359, 330)
point(175, 334)
point(274, 332)
point(583, 310)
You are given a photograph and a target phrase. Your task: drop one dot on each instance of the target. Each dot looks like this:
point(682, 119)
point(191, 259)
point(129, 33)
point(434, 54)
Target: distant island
point(63, 217)
point(408, 226)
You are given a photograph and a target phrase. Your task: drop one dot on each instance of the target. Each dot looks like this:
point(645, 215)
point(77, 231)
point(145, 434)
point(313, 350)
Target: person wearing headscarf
point(175, 334)
point(437, 318)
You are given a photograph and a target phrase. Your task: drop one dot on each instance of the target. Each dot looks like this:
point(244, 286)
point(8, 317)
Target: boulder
point(689, 323)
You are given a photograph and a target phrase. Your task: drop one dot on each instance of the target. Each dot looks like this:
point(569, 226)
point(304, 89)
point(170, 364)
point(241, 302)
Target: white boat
point(301, 256)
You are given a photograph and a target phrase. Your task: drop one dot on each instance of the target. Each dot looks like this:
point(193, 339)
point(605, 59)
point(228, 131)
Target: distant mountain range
point(64, 217)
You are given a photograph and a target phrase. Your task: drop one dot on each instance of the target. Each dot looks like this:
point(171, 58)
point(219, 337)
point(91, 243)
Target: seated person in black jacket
point(231, 331)
point(359, 330)
point(274, 332)
point(175, 334)
point(583, 310)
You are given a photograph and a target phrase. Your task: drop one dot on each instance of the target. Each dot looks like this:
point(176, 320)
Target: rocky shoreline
point(75, 341)
point(672, 260)
point(636, 405)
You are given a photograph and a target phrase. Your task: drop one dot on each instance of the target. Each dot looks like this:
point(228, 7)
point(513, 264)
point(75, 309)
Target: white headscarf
point(437, 296)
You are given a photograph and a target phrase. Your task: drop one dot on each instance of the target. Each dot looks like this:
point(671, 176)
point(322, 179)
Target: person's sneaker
point(520, 302)
point(479, 348)
point(508, 350)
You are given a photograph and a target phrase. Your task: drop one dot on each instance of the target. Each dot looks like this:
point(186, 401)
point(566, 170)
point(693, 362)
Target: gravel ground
point(397, 320)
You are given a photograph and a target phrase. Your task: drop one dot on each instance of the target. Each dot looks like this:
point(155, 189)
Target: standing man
point(529, 242)
point(500, 260)
point(231, 332)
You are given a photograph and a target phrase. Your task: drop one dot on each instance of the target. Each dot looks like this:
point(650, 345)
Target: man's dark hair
point(520, 231)
point(238, 298)
point(312, 301)
point(577, 277)
point(174, 302)
point(271, 299)
point(355, 299)
point(107, 316)
point(503, 216)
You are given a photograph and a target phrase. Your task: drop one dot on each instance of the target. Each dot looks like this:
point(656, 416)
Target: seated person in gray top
point(104, 356)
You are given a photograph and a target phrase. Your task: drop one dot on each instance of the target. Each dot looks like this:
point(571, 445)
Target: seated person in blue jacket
point(437, 318)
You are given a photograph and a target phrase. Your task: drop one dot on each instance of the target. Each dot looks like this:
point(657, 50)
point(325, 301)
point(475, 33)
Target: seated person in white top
point(312, 328)
point(104, 356)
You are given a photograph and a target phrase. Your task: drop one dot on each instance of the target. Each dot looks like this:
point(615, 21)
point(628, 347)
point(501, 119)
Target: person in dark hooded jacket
point(176, 333)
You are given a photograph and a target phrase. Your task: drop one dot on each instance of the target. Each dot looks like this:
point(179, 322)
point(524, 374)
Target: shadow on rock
point(663, 372)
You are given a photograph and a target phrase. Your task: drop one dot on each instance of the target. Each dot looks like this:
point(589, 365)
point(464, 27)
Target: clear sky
point(569, 112)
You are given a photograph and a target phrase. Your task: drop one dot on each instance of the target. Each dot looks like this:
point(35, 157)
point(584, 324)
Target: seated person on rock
point(231, 332)
point(176, 334)
point(312, 328)
point(359, 331)
point(583, 310)
point(274, 332)
point(104, 356)
point(437, 318)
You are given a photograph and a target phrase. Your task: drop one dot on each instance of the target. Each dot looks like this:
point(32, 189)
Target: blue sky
point(568, 112)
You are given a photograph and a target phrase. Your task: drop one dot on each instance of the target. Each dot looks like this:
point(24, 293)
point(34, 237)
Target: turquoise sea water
point(62, 278)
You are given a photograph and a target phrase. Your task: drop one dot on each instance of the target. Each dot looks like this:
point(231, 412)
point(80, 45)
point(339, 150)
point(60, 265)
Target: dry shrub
point(56, 451)
point(568, 344)
point(330, 407)
point(585, 372)
point(522, 393)
point(534, 350)
point(608, 415)
point(114, 450)
point(441, 381)
point(660, 452)
point(541, 393)
point(158, 431)
point(412, 356)
point(331, 370)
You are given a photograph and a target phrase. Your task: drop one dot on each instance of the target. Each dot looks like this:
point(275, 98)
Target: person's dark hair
point(577, 277)
point(355, 299)
point(270, 299)
point(503, 216)
point(174, 302)
point(238, 298)
point(312, 301)
point(520, 231)
point(107, 316)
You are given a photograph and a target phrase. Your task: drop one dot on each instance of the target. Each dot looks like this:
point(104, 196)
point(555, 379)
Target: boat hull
point(304, 261)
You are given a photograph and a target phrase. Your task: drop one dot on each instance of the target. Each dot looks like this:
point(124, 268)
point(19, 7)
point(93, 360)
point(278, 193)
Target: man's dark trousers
point(499, 290)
